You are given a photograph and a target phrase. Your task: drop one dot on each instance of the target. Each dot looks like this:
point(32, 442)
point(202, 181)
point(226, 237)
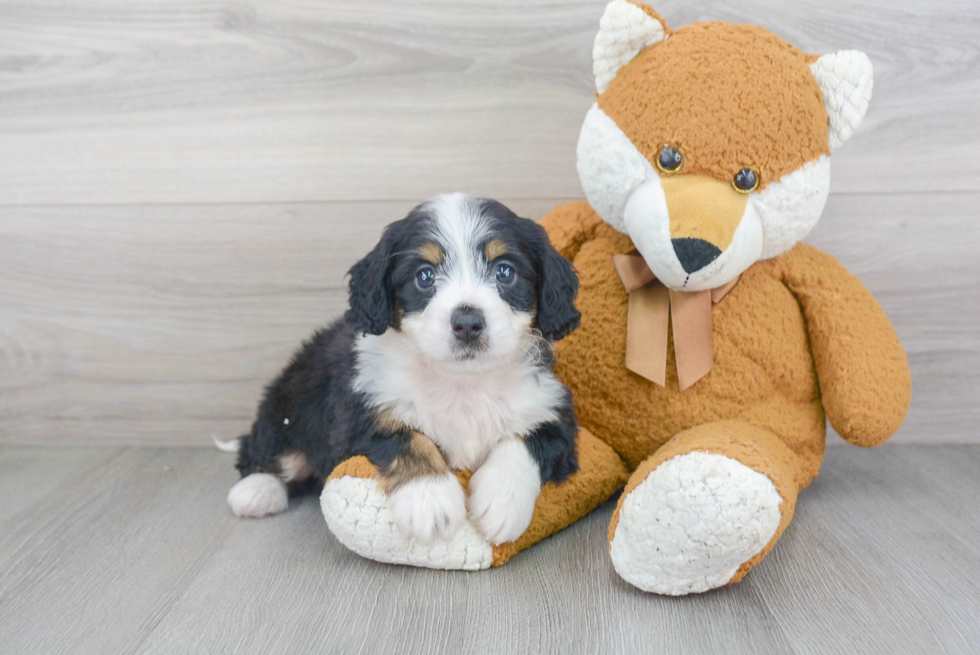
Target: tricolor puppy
point(443, 362)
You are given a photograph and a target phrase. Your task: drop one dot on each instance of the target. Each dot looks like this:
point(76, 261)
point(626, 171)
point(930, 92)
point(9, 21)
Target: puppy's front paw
point(503, 492)
point(429, 507)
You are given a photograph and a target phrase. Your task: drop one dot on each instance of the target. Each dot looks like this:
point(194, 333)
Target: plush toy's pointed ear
point(846, 79)
point(625, 28)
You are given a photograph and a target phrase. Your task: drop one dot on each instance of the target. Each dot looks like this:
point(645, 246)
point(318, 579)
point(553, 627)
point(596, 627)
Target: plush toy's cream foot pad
point(692, 523)
point(357, 513)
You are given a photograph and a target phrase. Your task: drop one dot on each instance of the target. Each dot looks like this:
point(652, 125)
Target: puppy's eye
point(745, 181)
point(670, 160)
point(425, 278)
point(505, 274)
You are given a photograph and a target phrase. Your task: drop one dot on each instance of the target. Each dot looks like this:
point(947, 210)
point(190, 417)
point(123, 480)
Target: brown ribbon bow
point(646, 327)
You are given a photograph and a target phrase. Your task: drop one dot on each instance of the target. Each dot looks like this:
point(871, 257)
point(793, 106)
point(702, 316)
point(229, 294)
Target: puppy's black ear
point(370, 288)
point(557, 288)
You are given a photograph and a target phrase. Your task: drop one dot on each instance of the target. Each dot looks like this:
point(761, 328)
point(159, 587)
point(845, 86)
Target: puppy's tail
point(230, 446)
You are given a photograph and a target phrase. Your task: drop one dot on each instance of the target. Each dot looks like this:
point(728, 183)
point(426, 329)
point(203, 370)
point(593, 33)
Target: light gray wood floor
point(126, 550)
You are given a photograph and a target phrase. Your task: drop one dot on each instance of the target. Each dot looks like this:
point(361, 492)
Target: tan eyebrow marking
point(431, 252)
point(494, 248)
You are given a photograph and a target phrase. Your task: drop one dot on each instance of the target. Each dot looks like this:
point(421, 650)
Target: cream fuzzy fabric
point(692, 523)
point(846, 79)
point(357, 513)
point(624, 30)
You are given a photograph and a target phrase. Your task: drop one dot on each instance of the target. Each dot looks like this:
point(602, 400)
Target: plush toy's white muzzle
point(626, 191)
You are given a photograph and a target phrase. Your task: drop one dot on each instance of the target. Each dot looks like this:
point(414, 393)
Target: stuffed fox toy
point(713, 345)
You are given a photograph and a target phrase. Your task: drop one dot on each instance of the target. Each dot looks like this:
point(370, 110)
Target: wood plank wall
point(183, 184)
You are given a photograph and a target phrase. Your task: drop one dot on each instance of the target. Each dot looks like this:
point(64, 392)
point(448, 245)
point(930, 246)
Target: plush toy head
point(710, 145)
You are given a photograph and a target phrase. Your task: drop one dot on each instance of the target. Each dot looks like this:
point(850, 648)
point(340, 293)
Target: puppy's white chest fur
point(464, 413)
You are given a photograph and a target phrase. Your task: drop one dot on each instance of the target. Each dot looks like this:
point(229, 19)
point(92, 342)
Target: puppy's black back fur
point(311, 408)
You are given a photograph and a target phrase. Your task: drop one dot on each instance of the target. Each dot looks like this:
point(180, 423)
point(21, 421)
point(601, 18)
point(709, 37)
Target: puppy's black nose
point(467, 323)
point(694, 254)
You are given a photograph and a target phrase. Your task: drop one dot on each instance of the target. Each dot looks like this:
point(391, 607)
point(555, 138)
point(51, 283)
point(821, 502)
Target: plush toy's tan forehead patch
point(727, 96)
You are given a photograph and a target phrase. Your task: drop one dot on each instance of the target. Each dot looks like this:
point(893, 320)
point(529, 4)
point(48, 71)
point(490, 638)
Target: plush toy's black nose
point(467, 323)
point(695, 254)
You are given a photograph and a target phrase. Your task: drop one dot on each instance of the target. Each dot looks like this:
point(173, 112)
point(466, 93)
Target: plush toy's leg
point(601, 474)
point(357, 513)
point(704, 509)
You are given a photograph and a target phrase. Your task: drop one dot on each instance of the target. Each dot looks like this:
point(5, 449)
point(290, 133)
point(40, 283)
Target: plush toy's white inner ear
point(846, 79)
point(624, 30)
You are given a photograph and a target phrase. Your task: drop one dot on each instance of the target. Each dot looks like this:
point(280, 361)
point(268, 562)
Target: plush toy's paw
point(692, 523)
point(258, 494)
point(429, 507)
point(360, 516)
point(503, 492)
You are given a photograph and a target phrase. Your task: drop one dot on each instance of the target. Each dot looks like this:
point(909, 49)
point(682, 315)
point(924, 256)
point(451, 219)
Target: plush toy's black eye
point(425, 278)
point(745, 181)
point(505, 274)
point(670, 160)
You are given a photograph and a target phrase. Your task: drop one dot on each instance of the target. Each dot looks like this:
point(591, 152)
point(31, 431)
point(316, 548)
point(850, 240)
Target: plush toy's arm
point(864, 375)
point(569, 226)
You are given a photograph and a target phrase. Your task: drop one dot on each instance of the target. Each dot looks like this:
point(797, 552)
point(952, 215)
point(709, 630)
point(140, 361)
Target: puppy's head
point(467, 281)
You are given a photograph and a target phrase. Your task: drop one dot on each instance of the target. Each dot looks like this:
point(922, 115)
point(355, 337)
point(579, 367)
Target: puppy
point(443, 361)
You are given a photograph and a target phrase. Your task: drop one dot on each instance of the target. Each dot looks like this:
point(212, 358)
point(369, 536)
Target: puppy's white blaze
point(429, 507)
point(465, 414)
point(257, 495)
point(460, 228)
point(625, 190)
point(503, 492)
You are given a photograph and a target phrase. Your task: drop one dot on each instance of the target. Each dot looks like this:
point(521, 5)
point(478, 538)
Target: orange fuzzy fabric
point(789, 320)
point(737, 97)
point(798, 336)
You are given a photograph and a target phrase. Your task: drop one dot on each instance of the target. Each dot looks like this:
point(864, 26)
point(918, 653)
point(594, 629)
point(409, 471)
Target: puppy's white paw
point(503, 492)
point(259, 494)
point(429, 507)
